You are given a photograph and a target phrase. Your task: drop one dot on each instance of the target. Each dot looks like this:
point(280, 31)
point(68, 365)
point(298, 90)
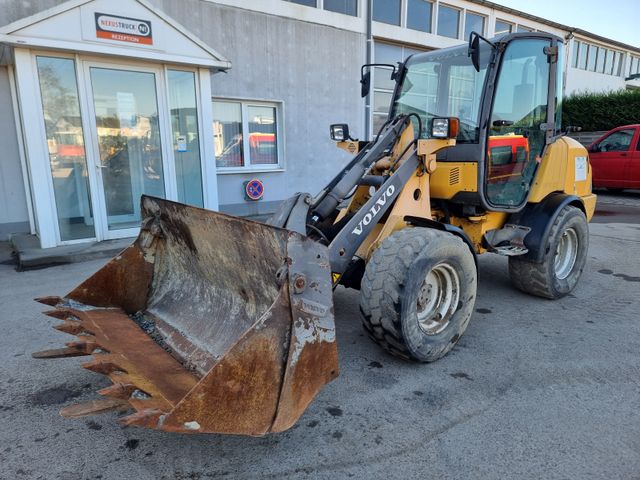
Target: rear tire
point(418, 293)
point(563, 261)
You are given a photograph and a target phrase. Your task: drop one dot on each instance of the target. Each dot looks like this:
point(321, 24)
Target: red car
point(615, 158)
point(508, 155)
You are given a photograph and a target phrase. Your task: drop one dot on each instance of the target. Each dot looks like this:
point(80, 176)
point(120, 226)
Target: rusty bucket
point(206, 323)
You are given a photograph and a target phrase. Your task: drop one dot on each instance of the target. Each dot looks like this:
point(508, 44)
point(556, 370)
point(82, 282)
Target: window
point(608, 67)
point(308, 3)
point(382, 84)
point(246, 134)
point(503, 27)
point(65, 141)
point(634, 66)
point(445, 85)
point(591, 58)
point(574, 58)
point(186, 141)
point(521, 100)
point(619, 141)
point(419, 15)
point(522, 28)
point(448, 20)
point(348, 7)
point(617, 57)
point(600, 60)
point(582, 56)
point(596, 59)
point(387, 11)
point(473, 23)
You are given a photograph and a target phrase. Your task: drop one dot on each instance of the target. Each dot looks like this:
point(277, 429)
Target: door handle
point(101, 166)
point(623, 154)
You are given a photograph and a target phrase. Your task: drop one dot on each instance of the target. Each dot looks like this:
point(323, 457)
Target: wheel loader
point(210, 323)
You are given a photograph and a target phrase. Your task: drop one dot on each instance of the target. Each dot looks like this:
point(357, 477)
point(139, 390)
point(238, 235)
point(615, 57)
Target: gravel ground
point(534, 389)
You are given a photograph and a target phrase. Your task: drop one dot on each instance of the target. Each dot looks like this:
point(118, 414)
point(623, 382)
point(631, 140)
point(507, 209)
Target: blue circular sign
point(254, 189)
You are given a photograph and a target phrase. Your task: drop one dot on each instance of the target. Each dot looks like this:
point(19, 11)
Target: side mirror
point(474, 50)
point(339, 132)
point(593, 148)
point(365, 76)
point(365, 83)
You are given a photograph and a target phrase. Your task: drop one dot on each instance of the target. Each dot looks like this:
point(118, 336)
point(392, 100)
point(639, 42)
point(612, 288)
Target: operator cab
point(508, 107)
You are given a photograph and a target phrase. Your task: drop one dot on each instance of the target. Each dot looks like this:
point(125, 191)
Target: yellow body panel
point(453, 177)
point(565, 168)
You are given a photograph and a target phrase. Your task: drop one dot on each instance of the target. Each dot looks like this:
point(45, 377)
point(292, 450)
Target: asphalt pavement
point(534, 389)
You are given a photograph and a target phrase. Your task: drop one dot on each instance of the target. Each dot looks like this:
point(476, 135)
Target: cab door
point(520, 108)
point(611, 157)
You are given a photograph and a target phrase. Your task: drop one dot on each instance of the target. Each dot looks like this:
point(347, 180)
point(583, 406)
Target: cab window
point(619, 141)
point(516, 141)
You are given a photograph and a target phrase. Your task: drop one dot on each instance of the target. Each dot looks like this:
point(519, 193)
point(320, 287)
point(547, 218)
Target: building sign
point(124, 29)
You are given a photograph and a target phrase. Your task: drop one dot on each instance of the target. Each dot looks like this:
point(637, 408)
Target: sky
point(615, 19)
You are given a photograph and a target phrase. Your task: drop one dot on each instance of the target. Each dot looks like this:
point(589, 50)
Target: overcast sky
point(615, 19)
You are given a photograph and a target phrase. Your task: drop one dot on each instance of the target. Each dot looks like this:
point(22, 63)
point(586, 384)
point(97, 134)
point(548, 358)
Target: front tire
point(565, 256)
point(418, 293)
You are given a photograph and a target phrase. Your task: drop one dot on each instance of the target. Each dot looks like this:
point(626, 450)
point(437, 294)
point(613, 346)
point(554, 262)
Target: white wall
point(582, 80)
point(313, 69)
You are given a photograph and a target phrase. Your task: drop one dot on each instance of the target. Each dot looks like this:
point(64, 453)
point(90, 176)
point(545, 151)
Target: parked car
point(615, 158)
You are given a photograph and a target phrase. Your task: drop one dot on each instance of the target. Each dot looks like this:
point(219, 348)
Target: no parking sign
point(254, 189)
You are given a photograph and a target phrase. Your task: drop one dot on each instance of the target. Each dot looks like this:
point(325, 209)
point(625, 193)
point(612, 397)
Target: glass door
point(128, 131)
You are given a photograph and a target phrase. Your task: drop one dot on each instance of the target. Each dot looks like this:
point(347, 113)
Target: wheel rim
point(566, 254)
point(438, 299)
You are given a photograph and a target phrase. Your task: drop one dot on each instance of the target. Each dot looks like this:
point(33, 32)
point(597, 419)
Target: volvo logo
point(374, 210)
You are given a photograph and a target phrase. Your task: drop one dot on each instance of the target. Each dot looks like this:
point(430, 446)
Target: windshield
point(445, 84)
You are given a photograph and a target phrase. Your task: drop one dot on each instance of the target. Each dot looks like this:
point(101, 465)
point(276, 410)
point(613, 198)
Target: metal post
point(367, 101)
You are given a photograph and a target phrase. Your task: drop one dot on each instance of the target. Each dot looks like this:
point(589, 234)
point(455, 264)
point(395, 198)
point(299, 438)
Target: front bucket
point(206, 323)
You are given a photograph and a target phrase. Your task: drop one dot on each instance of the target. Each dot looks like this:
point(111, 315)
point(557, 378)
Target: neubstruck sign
point(124, 29)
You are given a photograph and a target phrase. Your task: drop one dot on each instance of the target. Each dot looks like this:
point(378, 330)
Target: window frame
point(401, 14)
point(511, 29)
point(325, 9)
point(405, 14)
point(629, 147)
point(248, 167)
point(461, 15)
point(477, 14)
point(520, 28)
point(297, 2)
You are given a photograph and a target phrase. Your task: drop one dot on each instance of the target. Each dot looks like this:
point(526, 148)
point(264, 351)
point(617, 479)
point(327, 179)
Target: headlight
point(445, 127)
point(339, 132)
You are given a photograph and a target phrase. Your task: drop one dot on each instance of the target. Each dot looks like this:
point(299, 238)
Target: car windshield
point(445, 84)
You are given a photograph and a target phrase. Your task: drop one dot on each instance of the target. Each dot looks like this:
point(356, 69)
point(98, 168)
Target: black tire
point(394, 282)
point(542, 279)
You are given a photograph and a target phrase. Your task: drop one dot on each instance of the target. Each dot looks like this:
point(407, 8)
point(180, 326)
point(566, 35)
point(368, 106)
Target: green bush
point(601, 111)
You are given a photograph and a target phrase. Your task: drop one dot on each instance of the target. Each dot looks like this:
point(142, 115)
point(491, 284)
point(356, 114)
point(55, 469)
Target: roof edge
point(551, 23)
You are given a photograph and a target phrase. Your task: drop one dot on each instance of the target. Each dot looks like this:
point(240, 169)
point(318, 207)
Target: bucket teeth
point(70, 326)
point(118, 390)
point(92, 407)
point(103, 366)
point(52, 301)
point(87, 346)
point(60, 353)
point(145, 418)
point(58, 313)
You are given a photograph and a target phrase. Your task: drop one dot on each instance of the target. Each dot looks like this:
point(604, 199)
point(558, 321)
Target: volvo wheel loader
point(211, 323)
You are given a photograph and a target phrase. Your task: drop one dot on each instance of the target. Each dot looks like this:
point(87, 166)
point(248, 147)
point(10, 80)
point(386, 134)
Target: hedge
point(601, 111)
